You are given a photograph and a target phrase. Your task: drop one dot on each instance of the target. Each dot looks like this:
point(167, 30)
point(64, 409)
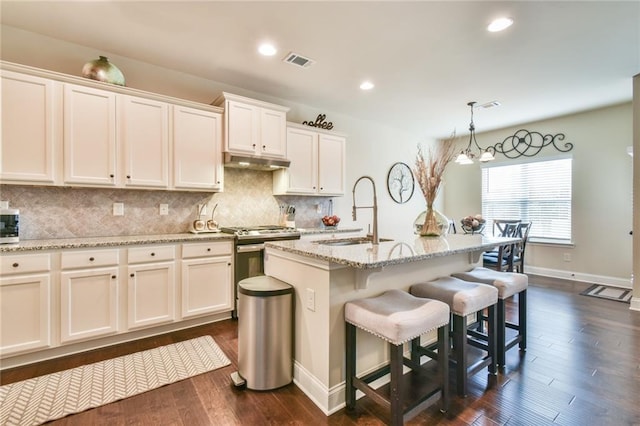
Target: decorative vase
point(103, 70)
point(431, 223)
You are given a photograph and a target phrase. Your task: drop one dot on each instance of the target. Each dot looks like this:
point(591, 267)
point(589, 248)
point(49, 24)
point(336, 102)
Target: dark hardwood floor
point(582, 367)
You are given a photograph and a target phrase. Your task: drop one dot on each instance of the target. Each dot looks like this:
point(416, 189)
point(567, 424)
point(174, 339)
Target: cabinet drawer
point(89, 258)
point(151, 254)
point(26, 263)
point(206, 249)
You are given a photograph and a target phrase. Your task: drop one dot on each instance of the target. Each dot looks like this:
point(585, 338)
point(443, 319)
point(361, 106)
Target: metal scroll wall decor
point(320, 122)
point(524, 143)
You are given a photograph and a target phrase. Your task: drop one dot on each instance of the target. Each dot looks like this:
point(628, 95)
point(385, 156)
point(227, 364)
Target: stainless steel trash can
point(265, 329)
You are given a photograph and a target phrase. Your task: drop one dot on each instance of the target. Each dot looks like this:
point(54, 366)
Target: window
point(537, 192)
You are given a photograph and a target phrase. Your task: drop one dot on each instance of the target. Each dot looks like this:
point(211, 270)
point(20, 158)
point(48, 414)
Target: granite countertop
point(71, 243)
point(325, 230)
point(404, 249)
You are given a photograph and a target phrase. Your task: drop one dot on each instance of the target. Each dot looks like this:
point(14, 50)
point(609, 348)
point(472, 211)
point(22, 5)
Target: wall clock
point(400, 183)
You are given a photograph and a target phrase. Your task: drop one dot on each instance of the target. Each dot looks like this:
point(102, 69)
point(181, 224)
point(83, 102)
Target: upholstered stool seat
point(396, 317)
point(465, 298)
point(508, 284)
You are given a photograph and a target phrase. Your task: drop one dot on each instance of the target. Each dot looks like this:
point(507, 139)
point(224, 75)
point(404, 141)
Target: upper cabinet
point(29, 128)
point(317, 163)
point(65, 130)
point(89, 136)
point(143, 131)
point(197, 154)
point(253, 127)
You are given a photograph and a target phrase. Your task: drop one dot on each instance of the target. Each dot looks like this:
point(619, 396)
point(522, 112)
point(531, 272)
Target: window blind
point(537, 192)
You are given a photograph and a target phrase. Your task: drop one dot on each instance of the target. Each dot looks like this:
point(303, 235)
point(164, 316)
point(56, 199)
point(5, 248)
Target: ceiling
point(427, 59)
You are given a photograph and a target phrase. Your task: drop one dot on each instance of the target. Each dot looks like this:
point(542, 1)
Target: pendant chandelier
point(467, 155)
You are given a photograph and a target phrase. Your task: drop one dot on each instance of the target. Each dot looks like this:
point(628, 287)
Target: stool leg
point(502, 330)
point(395, 397)
point(443, 365)
point(492, 331)
point(522, 319)
point(460, 348)
point(350, 367)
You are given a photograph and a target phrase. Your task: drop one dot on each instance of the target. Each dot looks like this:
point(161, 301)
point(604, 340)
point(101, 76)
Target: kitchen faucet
point(374, 236)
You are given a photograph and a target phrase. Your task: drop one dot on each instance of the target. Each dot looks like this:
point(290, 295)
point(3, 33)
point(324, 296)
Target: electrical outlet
point(318, 208)
point(164, 209)
point(311, 299)
point(567, 257)
point(118, 209)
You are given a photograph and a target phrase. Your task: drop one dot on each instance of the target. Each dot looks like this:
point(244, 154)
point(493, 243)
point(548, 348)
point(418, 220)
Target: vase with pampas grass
point(428, 173)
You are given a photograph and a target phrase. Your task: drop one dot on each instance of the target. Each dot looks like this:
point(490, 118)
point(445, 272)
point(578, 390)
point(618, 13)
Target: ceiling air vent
point(298, 60)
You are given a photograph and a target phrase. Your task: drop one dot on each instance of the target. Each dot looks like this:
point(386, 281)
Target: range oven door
point(249, 262)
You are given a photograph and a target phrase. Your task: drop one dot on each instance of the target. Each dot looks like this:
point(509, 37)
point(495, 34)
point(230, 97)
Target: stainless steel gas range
point(249, 250)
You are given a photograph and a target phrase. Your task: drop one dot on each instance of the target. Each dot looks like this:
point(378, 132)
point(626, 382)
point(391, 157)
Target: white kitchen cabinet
point(151, 286)
point(88, 294)
point(317, 164)
point(89, 136)
point(25, 303)
point(197, 153)
point(206, 278)
point(29, 129)
point(143, 135)
point(253, 127)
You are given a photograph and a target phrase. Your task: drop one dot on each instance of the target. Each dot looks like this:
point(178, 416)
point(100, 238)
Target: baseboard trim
point(577, 276)
point(635, 304)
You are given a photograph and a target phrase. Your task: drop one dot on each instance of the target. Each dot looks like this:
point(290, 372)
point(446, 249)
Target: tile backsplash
point(62, 212)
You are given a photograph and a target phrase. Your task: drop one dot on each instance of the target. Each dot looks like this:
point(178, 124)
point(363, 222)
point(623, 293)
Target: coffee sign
point(320, 122)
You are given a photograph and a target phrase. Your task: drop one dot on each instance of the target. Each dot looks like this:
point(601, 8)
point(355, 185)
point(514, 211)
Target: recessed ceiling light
point(366, 85)
point(267, 49)
point(499, 24)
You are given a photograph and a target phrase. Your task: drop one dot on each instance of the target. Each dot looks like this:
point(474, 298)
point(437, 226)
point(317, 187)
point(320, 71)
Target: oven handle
point(250, 248)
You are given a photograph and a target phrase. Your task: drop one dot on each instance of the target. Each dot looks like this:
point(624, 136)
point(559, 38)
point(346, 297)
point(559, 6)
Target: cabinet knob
point(128, 176)
point(153, 254)
point(15, 265)
point(111, 175)
point(132, 275)
point(113, 277)
point(253, 145)
point(229, 264)
point(91, 259)
point(264, 147)
point(208, 249)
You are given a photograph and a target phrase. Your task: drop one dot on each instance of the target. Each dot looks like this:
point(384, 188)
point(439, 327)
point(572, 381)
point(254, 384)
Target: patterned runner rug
point(41, 399)
point(611, 293)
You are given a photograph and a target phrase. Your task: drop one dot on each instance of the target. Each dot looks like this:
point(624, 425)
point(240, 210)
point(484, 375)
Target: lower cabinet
point(25, 319)
point(88, 294)
point(70, 297)
point(207, 285)
point(151, 286)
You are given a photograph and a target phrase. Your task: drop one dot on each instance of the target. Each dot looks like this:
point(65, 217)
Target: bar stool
point(397, 317)
point(465, 298)
point(508, 284)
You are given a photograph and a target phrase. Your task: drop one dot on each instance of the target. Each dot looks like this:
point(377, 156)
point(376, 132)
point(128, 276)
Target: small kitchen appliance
point(9, 226)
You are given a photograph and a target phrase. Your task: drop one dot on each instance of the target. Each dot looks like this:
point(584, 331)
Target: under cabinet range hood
point(254, 163)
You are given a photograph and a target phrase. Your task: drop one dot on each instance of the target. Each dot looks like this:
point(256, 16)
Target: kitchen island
point(327, 273)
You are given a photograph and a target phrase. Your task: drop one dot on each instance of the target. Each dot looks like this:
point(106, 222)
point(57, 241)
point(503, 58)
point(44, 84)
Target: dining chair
point(501, 226)
point(502, 258)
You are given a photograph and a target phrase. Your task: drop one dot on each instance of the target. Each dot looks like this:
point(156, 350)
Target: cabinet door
point(151, 294)
point(28, 129)
point(331, 164)
point(207, 286)
point(196, 149)
point(89, 136)
point(144, 137)
point(302, 148)
point(273, 136)
point(88, 304)
point(25, 313)
point(242, 128)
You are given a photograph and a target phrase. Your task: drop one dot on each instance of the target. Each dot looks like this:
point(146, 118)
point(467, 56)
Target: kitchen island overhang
point(325, 277)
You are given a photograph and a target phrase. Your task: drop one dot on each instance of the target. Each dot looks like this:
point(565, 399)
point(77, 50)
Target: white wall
point(602, 194)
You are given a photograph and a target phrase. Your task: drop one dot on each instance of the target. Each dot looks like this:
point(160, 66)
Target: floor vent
point(298, 60)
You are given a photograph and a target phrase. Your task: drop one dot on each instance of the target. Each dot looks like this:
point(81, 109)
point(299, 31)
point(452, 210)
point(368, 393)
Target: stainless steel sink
point(349, 241)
